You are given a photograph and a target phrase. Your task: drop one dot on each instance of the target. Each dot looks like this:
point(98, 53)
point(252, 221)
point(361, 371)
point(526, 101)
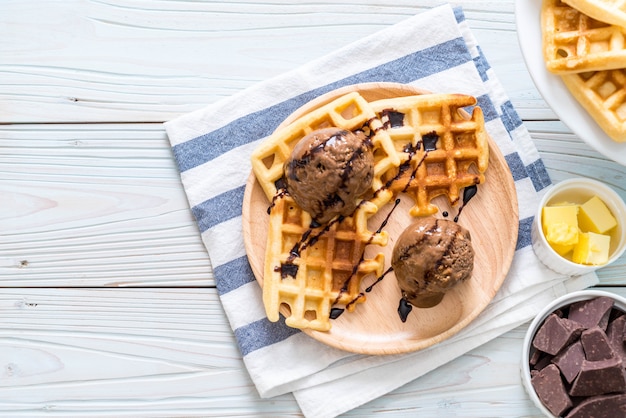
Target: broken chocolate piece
point(596, 344)
point(603, 406)
point(555, 333)
point(592, 312)
point(570, 360)
point(615, 333)
point(535, 355)
point(599, 377)
point(550, 389)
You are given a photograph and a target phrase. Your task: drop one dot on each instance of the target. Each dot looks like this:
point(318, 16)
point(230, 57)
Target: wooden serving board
point(375, 326)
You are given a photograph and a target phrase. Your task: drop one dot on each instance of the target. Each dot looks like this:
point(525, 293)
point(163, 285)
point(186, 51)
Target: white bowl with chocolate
point(574, 356)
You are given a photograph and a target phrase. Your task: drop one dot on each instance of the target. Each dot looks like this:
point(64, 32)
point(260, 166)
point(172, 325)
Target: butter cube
point(591, 249)
point(594, 216)
point(560, 225)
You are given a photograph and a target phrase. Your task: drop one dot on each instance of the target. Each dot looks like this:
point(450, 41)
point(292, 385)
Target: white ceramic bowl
point(578, 190)
point(619, 302)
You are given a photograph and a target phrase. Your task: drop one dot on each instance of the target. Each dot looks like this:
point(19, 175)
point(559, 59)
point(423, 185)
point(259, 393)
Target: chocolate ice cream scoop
point(430, 257)
point(328, 170)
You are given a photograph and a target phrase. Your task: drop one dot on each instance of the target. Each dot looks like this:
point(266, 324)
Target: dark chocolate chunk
point(602, 406)
point(551, 391)
point(615, 334)
point(534, 356)
point(570, 360)
point(596, 344)
point(555, 333)
point(599, 377)
point(592, 312)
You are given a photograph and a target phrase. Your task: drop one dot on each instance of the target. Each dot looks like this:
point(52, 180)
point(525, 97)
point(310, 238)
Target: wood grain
point(95, 205)
point(151, 352)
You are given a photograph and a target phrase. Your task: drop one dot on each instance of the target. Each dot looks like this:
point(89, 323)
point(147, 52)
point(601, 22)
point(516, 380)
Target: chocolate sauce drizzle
point(378, 280)
point(430, 141)
point(336, 312)
point(392, 118)
point(404, 309)
point(468, 193)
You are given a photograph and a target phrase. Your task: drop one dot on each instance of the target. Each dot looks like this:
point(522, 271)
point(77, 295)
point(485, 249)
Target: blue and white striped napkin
point(434, 50)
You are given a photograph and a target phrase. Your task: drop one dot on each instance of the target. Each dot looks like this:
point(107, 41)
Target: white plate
point(551, 87)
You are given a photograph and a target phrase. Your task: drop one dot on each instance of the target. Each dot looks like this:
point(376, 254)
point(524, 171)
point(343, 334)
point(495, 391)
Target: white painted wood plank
point(137, 61)
point(167, 352)
point(143, 352)
point(95, 205)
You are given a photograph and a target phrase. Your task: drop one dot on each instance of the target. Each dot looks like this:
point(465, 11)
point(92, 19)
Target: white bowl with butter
point(579, 226)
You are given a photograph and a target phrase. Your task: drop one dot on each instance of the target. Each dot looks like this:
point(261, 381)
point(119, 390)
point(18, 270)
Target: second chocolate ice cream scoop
point(429, 258)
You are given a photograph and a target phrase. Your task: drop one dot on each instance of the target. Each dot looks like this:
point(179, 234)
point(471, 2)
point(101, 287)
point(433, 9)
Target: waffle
point(574, 42)
point(610, 11)
point(328, 270)
point(603, 95)
point(349, 112)
point(434, 121)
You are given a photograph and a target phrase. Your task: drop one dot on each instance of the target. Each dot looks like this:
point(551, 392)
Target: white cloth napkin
point(434, 50)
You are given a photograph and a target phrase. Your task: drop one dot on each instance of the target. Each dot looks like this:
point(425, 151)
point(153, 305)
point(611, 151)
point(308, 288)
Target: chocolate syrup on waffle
point(430, 141)
point(287, 269)
point(392, 118)
point(281, 191)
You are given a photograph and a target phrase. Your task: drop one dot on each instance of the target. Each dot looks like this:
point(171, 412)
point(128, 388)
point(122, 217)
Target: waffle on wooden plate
point(575, 42)
point(309, 272)
point(442, 149)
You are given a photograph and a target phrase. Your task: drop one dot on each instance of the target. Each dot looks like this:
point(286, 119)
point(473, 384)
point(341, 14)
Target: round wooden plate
point(375, 326)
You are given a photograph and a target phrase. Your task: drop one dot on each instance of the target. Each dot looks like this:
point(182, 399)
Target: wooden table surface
point(108, 306)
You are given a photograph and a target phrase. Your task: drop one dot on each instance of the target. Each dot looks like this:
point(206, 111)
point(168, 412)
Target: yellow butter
point(560, 225)
point(594, 216)
point(591, 249)
point(562, 249)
